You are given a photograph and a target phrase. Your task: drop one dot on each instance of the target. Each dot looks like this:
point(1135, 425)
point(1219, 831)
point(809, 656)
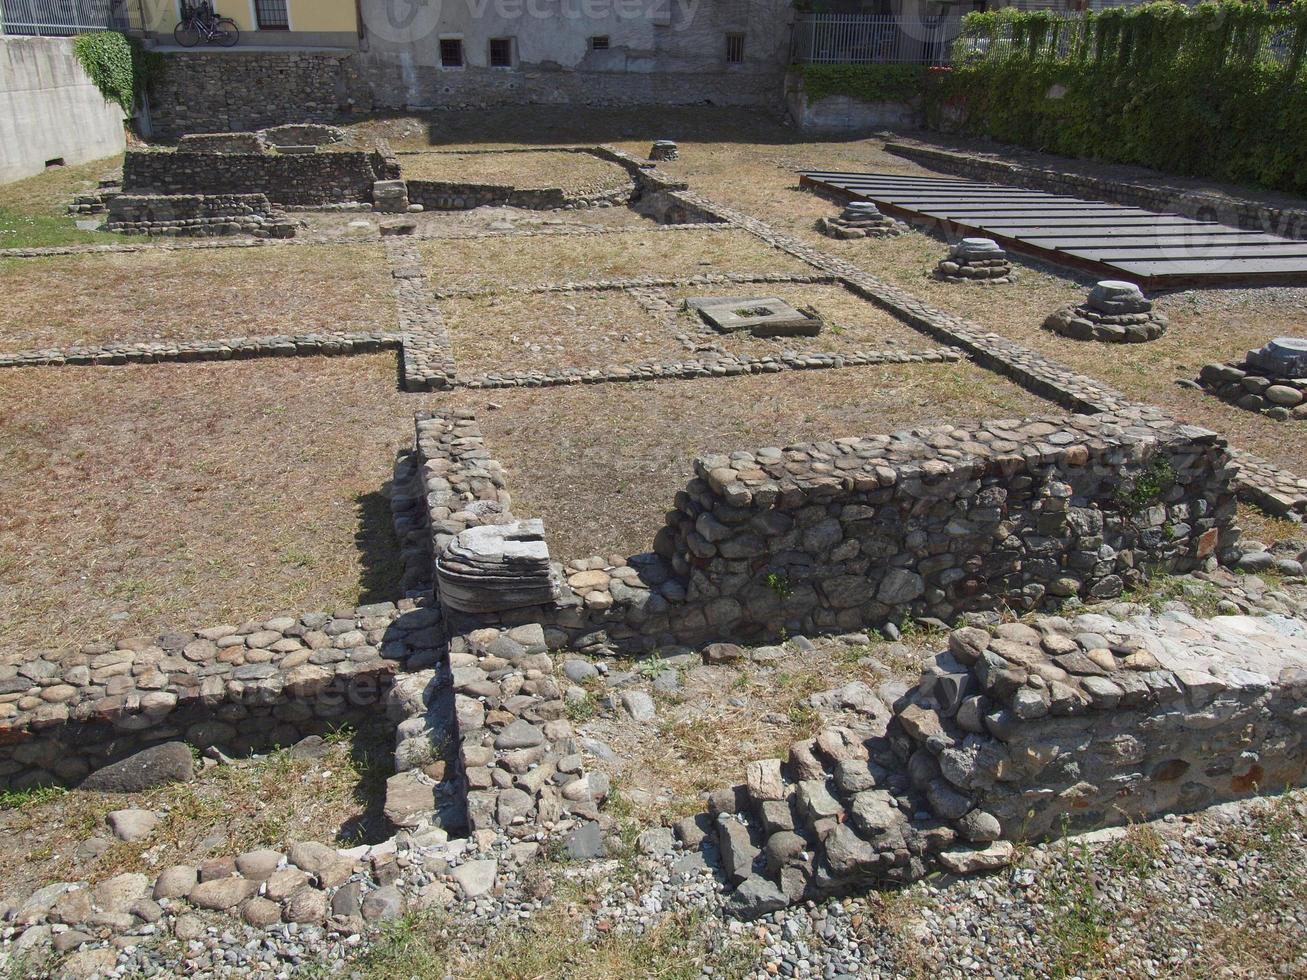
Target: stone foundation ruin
point(1272, 380)
point(975, 260)
point(1114, 312)
point(833, 537)
point(861, 219)
point(198, 215)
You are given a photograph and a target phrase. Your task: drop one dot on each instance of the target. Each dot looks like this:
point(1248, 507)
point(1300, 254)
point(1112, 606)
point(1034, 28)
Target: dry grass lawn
point(601, 463)
point(72, 300)
point(273, 802)
point(488, 262)
point(575, 173)
point(141, 498)
point(516, 332)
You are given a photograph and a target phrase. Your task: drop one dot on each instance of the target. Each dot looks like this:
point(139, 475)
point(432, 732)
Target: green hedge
point(869, 83)
point(1191, 91)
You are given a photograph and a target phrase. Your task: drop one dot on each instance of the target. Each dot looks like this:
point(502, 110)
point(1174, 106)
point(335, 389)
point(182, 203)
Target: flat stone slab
point(766, 316)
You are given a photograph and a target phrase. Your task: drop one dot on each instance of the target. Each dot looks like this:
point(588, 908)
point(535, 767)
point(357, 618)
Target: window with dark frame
point(451, 52)
point(735, 49)
point(501, 52)
point(599, 42)
point(271, 15)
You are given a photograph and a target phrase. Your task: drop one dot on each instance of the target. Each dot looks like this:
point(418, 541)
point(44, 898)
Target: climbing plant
point(117, 64)
point(1216, 90)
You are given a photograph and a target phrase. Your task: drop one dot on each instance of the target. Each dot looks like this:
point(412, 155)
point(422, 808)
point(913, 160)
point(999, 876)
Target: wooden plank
point(1016, 226)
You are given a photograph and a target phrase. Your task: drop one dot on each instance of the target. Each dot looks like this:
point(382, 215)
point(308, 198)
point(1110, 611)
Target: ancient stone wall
point(199, 92)
point(937, 522)
point(306, 179)
point(1014, 734)
point(443, 195)
point(69, 712)
point(1096, 723)
point(828, 537)
point(197, 215)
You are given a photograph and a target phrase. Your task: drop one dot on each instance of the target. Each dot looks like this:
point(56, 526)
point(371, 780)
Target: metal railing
point(869, 39)
point(61, 18)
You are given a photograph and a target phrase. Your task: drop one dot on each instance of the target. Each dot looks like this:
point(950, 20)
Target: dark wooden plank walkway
point(1155, 250)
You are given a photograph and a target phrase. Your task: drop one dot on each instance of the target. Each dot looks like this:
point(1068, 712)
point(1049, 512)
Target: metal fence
point(869, 39)
point(60, 18)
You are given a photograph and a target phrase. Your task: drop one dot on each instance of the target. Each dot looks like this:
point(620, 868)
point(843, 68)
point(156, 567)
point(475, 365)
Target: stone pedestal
point(975, 260)
point(496, 567)
point(390, 196)
point(861, 219)
point(1272, 380)
point(664, 150)
point(1114, 312)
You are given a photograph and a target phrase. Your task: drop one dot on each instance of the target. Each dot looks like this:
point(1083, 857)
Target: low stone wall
point(1096, 722)
point(332, 176)
point(1153, 196)
point(438, 195)
point(1017, 734)
point(832, 537)
point(197, 215)
point(69, 712)
point(937, 522)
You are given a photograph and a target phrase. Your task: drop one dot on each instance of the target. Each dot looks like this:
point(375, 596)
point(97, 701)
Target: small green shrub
point(868, 83)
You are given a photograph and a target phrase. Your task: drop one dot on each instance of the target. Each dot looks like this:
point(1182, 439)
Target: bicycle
point(200, 23)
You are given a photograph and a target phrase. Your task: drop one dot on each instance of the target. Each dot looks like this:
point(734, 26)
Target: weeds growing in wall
point(1217, 90)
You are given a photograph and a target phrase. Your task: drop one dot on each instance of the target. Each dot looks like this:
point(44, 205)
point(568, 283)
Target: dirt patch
point(73, 300)
point(490, 262)
point(270, 801)
point(574, 173)
point(141, 498)
point(601, 463)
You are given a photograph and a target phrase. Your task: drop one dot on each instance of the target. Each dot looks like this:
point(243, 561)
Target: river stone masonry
point(1114, 312)
point(1016, 733)
point(198, 215)
point(975, 260)
point(239, 687)
point(1272, 380)
point(831, 537)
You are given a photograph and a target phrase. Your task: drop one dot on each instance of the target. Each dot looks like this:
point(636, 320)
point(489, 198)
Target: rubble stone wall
point(834, 536)
point(1086, 725)
point(305, 179)
point(243, 688)
point(826, 537)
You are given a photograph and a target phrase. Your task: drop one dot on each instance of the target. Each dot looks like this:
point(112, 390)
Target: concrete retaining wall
point(50, 109)
point(842, 114)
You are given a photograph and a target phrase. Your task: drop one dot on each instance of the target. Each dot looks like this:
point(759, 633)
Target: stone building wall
point(1096, 723)
point(1019, 733)
point(197, 215)
point(306, 179)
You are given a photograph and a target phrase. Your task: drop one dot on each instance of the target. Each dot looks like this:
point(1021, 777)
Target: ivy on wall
point(117, 64)
point(1217, 90)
